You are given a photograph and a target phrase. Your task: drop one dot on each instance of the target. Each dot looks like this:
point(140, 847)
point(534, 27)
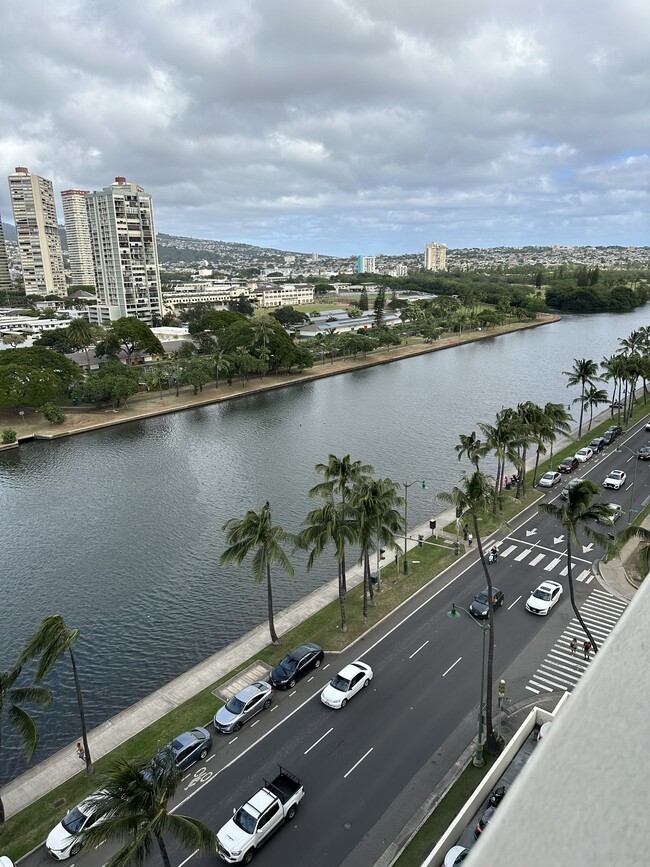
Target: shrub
point(9, 436)
point(53, 413)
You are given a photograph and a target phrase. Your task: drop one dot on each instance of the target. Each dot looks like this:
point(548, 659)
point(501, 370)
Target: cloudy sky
point(341, 126)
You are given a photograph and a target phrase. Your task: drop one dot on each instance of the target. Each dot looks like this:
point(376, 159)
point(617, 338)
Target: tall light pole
point(407, 485)
point(478, 760)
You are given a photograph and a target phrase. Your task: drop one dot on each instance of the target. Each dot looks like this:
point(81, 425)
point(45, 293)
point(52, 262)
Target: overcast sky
point(341, 126)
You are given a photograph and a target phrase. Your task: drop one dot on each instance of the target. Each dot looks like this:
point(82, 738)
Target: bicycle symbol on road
point(202, 775)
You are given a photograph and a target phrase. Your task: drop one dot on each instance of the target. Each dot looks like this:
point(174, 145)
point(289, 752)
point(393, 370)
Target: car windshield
point(542, 594)
point(288, 664)
point(482, 598)
point(235, 705)
point(549, 476)
point(244, 820)
point(340, 683)
point(74, 821)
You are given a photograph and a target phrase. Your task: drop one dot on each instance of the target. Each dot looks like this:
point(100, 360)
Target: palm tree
point(475, 496)
point(594, 396)
point(134, 807)
point(559, 418)
point(573, 514)
point(22, 722)
point(331, 522)
point(340, 474)
point(614, 369)
point(255, 533)
point(81, 335)
point(532, 426)
point(503, 439)
point(51, 641)
point(583, 373)
point(471, 446)
point(156, 378)
point(220, 364)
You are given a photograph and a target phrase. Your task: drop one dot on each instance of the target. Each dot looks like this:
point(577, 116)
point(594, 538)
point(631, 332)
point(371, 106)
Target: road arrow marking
point(558, 539)
point(532, 532)
point(586, 548)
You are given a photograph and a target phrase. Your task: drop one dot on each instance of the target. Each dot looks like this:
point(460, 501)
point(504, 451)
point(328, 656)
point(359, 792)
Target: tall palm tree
point(220, 364)
point(134, 807)
point(81, 335)
point(475, 496)
point(21, 721)
point(614, 369)
point(340, 474)
point(472, 447)
point(255, 533)
point(559, 418)
point(594, 397)
point(48, 644)
point(583, 373)
point(503, 440)
point(330, 523)
point(574, 514)
point(532, 427)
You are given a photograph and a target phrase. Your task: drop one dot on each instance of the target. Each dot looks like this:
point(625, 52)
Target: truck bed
point(285, 785)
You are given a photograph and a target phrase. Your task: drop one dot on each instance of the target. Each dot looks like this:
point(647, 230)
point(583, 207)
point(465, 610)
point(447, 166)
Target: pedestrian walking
point(587, 649)
point(81, 752)
point(465, 531)
point(469, 540)
point(505, 481)
point(574, 646)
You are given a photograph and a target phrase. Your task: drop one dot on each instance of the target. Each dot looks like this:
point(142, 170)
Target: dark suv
point(608, 436)
point(615, 429)
point(597, 444)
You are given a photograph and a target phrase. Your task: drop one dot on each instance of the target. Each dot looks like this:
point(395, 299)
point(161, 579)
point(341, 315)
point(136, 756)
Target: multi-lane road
point(368, 767)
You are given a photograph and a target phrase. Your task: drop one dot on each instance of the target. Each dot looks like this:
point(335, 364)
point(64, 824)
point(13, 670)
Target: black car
point(484, 821)
point(295, 665)
point(644, 453)
point(597, 444)
point(616, 429)
point(608, 436)
point(569, 464)
point(479, 607)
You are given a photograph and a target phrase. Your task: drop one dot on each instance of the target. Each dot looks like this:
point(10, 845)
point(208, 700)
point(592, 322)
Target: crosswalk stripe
point(539, 676)
point(560, 671)
point(536, 560)
point(523, 554)
point(508, 551)
point(540, 685)
point(552, 564)
point(536, 691)
point(583, 574)
point(617, 603)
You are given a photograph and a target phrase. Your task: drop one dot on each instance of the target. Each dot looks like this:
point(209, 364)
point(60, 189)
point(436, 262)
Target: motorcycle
point(497, 796)
point(493, 557)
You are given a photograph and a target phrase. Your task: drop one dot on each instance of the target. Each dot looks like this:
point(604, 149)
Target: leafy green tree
point(82, 335)
point(113, 382)
point(135, 337)
point(220, 364)
point(242, 305)
point(134, 807)
point(256, 534)
point(583, 373)
point(196, 372)
point(9, 435)
point(322, 289)
point(37, 359)
point(47, 645)
point(53, 413)
point(14, 339)
point(156, 377)
point(57, 339)
point(288, 316)
point(28, 386)
point(12, 700)
point(363, 299)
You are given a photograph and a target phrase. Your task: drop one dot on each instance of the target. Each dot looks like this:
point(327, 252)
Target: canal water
point(120, 530)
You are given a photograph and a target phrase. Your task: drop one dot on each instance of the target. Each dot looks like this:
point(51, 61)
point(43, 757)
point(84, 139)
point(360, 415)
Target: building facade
point(123, 238)
point(366, 265)
point(77, 230)
point(435, 257)
point(37, 233)
point(5, 278)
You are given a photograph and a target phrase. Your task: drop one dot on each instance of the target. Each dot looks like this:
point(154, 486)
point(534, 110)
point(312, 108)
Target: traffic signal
point(459, 511)
point(420, 539)
point(432, 525)
point(382, 551)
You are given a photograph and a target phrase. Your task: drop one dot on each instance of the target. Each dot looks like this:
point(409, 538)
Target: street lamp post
point(407, 485)
point(478, 760)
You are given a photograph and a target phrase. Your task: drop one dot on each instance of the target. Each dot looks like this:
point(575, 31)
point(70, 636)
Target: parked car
point(5, 861)
point(615, 512)
point(296, 665)
point(455, 856)
point(585, 454)
point(241, 707)
point(608, 436)
point(63, 840)
point(544, 729)
point(644, 453)
point(574, 481)
point(616, 429)
point(484, 821)
point(191, 747)
point(346, 684)
point(597, 444)
point(549, 479)
point(544, 597)
point(479, 607)
point(647, 427)
point(616, 479)
point(569, 464)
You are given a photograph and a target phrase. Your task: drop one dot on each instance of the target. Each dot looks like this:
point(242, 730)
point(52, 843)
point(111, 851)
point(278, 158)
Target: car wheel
point(267, 703)
point(203, 753)
point(317, 663)
point(236, 727)
point(367, 683)
point(344, 702)
point(248, 857)
point(291, 813)
point(292, 683)
point(501, 601)
point(76, 848)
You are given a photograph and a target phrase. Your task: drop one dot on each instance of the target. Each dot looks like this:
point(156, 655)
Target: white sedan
point(585, 454)
point(544, 597)
point(346, 684)
point(616, 479)
point(63, 840)
point(549, 479)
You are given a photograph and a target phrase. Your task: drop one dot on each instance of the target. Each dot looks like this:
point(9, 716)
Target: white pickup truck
point(260, 816)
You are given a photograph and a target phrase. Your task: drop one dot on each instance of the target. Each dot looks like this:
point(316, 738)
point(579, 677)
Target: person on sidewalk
point(587, 649)
point(465, 531)
point(574, 646)
point(81, 752)
point(469, 540)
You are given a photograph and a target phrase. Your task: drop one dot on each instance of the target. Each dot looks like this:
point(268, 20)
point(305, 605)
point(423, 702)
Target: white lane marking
point(326, 666)
point(309, 679)
point(552, 564)
point(209, 758)
point(514, 603)
point(536, 691)
point(451, 666)
point(252, 725)
point(188, 858)
point(523, 554)
point(541, 686)
point(275, 707)
point(318, 741)
point(583, 574)
point(236, 738)
point(293, 693)
point(508, 551)
point(419, 649)
point(358, 763)
point(536, 560)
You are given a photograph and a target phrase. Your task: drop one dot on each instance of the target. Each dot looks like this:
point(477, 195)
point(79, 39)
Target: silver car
point(241, 707)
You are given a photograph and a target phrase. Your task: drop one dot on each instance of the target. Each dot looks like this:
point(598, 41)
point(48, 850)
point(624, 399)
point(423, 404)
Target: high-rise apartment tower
point(37, 233)
point(366, 265)
point(77, 230)
point(5, 279)
point(435, 257)
point(125, 255)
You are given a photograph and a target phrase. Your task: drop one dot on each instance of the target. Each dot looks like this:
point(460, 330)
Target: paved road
point(368, 767)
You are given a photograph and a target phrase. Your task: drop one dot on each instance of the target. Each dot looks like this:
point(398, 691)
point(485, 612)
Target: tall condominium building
point(77, 230)
point(366, 265)
point(123, 240)
point(5, 279)
point(37, 231)
point(435, 257)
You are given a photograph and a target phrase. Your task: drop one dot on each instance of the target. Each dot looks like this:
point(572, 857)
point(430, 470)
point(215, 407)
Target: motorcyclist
point(493, 554)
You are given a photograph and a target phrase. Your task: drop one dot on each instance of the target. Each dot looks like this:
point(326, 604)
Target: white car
point(63, 841)
point(616, 479)
point(614, 513)
point(549, 479)
point(6, 861)
point(455, 856)
point(544, 597)
point(585, 454)
point(347, 683)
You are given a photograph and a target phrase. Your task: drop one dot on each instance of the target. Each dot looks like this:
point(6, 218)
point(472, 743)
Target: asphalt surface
point(368, 767)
